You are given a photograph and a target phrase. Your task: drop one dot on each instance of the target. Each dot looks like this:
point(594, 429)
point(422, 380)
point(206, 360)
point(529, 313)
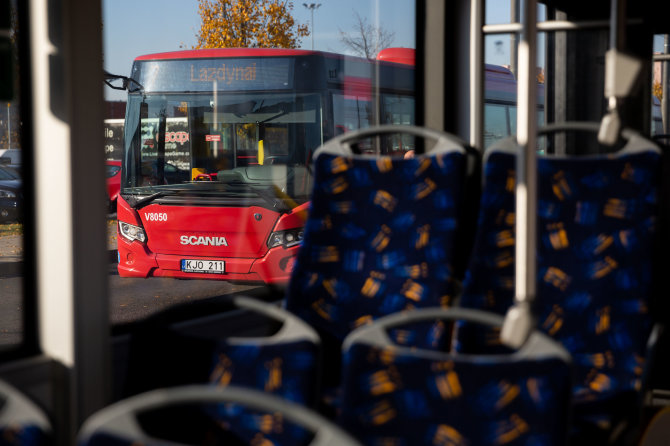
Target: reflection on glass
point(193, 137)
point(11, 201)
point(217, 144)
point(496, 123)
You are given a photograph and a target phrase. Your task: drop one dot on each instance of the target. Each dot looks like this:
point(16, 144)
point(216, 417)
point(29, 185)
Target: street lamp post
point(9, 127)
point(312, 7)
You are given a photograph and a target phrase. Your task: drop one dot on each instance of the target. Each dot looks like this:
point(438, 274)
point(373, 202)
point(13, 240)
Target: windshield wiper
point(266, 194)
point(278, 115)
point(269, 195)
point(141, 202)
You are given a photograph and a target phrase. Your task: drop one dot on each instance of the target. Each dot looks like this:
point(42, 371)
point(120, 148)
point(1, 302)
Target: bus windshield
point(262, 139)
point(215, 179)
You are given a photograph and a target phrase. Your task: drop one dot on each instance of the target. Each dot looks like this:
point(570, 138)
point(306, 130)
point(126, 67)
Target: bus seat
point(399, 394)
point(381, 236)
point(596, 217)
point(22, 422)
point(174, 416)
point(254, 344)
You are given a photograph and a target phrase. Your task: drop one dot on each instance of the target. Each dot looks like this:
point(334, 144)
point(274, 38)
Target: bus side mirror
point(6, 53)
point(116, 83)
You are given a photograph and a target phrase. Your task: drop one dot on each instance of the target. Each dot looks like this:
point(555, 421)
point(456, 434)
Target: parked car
point(11, 196)
point(10, 171)
point(10, 158)
point(113, 183)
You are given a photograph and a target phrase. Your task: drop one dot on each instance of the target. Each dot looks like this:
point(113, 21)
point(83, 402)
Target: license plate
point(203, 266)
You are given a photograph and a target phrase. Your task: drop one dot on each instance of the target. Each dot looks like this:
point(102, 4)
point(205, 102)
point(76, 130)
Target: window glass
point(659, 112)
point(503, 12)
point(11, 190)
point(351, 112)
point(496, 123)
point(398, 110)
point(501, 57)
point(192, 137)
point(215, 147)
point(512, 119)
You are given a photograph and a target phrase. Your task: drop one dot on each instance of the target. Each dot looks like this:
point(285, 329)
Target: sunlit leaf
point(248, 23)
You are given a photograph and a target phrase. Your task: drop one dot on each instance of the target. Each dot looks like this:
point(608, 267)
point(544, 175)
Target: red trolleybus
point(217, 143)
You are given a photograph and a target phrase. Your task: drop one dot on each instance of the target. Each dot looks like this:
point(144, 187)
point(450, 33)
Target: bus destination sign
point(223, 74)
point(227, 74)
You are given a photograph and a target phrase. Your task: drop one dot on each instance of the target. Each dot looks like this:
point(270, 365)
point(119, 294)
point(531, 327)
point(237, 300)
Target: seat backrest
point(596, 218)
point(166, 352)
point(166, 417)
point(380, 233)
point(395, 394)
point(284, 361)
point(22, 422)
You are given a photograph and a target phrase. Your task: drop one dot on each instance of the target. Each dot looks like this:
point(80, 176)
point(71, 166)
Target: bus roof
point(405, 56)
point(499, 72)
point(228, 52)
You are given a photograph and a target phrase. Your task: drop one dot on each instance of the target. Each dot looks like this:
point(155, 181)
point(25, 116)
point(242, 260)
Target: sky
point(135, 27)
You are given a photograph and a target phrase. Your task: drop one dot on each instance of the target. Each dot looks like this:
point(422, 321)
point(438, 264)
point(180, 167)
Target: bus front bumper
point(275, 267)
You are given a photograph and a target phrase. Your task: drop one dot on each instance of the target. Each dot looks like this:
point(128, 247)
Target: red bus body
point(246, 255)
point(182, 220)
point(113, 179)
point(405, 56)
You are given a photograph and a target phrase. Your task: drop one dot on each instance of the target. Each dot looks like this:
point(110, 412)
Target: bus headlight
point(288, 238)
point(132, 232)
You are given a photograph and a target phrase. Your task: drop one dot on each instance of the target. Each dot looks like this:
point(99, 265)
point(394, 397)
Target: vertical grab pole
point(618, 24)
point(664, 88)
point(518, 321)
point(477, 74)
point(513, 49)
point(621, 72)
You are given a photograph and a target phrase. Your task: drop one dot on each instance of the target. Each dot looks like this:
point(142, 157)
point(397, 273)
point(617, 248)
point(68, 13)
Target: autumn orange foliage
point(248, 24)
point(657, 90)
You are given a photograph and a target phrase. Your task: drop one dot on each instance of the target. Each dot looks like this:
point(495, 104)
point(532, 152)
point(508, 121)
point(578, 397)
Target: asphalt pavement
point(130, 299)
point(11, 246)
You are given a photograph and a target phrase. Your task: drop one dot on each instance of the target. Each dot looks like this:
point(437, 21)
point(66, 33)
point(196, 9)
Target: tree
point(248, 24)
point(366, 40)
point(657, 90)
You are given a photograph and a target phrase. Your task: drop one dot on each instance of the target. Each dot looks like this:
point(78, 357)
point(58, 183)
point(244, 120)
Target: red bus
point(217, 144)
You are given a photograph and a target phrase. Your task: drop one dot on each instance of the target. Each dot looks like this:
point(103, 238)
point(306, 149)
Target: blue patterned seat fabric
point(22, 421)
point(378, 240)
point(407, 399)
point(27, 435)
point(596, 220)
point(285, 369)
point(288, 370)
point(175, 416)
point(282, 363)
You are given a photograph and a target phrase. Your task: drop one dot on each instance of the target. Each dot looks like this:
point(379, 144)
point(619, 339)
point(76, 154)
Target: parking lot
point(130, 299)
